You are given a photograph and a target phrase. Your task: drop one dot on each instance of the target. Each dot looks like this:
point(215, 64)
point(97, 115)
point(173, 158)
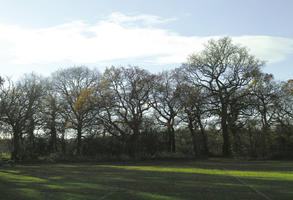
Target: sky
point(42, 36)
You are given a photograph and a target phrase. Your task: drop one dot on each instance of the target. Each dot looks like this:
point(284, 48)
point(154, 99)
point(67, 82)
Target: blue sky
point(44, 35)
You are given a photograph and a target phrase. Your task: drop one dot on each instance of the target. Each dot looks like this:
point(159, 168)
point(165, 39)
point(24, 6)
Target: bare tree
point(53, 120)
point(76, 88)
point(221, 69)
point(266, 96)
point(125, 94)
point(286, 103)
point(195, 112)
point(20, 104)
point(165, 101)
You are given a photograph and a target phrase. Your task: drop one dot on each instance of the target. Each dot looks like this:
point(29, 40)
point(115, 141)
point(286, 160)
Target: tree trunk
point(205, 150)
point(133, 146)
point(79, 134)
point(236, 145)
point(192, 133)
point(63, 142)
point(53, 138)
point(52, 124)
point(226, 148)
point(133, 150)
point(264, 132)
point(173, 145)
point(31, 146)
point(16, 145)
point(169, 137)
point(264, 138)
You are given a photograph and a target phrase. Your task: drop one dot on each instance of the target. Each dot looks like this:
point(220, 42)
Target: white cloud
point(119, 18)
point(113, 38)
point(271, 49)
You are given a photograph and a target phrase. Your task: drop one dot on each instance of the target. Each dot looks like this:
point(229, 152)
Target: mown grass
point(210, 179)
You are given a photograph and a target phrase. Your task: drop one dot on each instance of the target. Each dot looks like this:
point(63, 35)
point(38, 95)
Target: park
point(122, 100)
point(215, 128)
point(163, 180)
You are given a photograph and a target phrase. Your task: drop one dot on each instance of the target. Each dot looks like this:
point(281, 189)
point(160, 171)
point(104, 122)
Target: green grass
point(161, 180)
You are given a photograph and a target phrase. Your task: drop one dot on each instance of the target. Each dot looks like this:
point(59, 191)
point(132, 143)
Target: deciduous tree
point(222, 68)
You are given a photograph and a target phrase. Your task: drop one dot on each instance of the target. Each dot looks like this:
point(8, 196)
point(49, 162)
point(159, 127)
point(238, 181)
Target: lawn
point(208, 179)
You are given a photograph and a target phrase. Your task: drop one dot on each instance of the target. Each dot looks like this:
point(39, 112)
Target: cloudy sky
point(45, 35)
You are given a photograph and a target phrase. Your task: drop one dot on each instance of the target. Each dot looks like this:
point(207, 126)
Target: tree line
point(217, 103)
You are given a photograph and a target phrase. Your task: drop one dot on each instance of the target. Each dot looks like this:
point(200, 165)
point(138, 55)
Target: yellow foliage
point(84, 100)
point(252, 83)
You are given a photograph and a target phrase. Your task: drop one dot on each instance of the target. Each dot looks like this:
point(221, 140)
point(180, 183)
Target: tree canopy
point(217, 103)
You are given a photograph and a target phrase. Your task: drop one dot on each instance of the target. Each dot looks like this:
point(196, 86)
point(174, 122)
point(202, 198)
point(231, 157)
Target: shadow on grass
point(139, 182)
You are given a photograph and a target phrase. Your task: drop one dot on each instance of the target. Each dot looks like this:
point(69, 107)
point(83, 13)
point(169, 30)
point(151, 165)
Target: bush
point(51, 158)
point(282, 155)
point(172, 156)
point(5, 159)
point(4, 155)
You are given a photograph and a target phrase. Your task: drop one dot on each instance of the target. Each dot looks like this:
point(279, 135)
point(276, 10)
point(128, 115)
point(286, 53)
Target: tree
point(125, 96)
point(33, 87)
point(222, 68)
point(53, 120)
point(286, 103)
point(165, 101)
point(266, 96)
point(194, 112)
point(284, 120)
point(20, 104)
point(76, 88)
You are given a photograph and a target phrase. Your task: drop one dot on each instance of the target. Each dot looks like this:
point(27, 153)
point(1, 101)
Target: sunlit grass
point(153, 196)
point(66, 165)
point(28, 193)
point(86, 185)
point(55, 177)
point(19, 178)
point(247, 174)
point(10, 171)
point(55, 186)
point(155, 180)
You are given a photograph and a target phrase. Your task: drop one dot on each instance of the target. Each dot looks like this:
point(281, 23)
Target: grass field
point(209, 179)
